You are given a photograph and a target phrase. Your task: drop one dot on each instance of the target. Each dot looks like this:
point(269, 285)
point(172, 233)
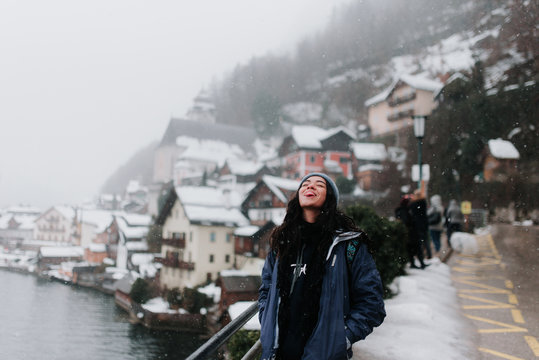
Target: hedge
point(388, 239)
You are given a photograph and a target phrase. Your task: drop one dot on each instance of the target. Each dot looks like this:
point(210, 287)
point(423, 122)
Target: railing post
point(253, 351)
point(217, 340)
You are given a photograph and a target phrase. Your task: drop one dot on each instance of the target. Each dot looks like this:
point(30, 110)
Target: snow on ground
point(423, 321)
point(160, 305)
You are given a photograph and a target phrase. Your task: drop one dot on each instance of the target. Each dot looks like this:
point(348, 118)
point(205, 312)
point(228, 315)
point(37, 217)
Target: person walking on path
point(315, 301)
point(420, 226)
point(402, 213)
point(453, 219)
point(436, 225)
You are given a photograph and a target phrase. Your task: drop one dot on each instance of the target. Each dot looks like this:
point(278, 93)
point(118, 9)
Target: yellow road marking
point(533, 344)
point(509, 284)
point(475, 277)
point(486, 289)
point(517, 316)
point(513, 299)
point(463, 269)
point(503, 329)
point(483, 262)
point(494, 304)
point(493, 246)
point(499, 354)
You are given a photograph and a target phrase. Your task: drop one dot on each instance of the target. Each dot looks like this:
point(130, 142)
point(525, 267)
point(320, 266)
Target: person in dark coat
point(419, 228)
point(402, 213)
point(313, 302)
point(453, 219)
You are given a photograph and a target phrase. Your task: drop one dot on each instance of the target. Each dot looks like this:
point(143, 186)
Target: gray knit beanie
point(329, 182)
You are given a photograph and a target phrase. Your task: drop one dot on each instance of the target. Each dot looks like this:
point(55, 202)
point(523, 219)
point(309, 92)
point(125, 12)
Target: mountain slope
point(138, 167)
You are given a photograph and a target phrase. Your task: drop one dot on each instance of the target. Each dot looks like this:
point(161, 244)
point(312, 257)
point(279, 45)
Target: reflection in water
point(48, 320)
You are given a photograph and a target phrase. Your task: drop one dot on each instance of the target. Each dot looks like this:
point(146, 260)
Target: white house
point(93, 222)
point(16, 229)
point(391, 110)
point(57, 224)
point(198, 225)
point(132, 237)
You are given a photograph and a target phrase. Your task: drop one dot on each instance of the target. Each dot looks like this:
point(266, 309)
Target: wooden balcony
point(394, 101)
point(174, 242)
point(400, 115)
point(175, 263)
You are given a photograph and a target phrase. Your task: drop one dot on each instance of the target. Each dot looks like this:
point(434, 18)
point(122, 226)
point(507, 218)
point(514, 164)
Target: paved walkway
point(488, 299)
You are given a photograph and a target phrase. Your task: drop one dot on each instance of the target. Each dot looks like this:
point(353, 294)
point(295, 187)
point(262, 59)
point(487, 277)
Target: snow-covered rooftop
point(246, 230)
point(310, 137)
point(97, 248)
point(503, 149)
point(131, 232)
point(208, 196)
point(133, 186)
point(231, 217)
point(101, 219)
point(213, 151)
point(66, 211)
point(369, 151)
point(138, 259)
point(61, 251)
point(207, 205)
point(276, 183)
point(136, 245)
point(420, 82)
point(26, 222)
point(136, 219)
point(243, 167)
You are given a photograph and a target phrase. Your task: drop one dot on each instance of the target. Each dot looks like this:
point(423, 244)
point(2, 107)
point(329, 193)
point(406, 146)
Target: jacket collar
point(340, 237)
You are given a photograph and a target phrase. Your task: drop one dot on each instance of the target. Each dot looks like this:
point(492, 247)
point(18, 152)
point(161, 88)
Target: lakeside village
point(186, 251)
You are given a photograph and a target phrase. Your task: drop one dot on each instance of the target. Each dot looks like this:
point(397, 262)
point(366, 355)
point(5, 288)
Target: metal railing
point(221, 337)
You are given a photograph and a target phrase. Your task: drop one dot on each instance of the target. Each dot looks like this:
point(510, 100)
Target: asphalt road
point(498, 291)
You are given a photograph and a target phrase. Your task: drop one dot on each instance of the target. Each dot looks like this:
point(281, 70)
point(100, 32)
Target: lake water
point(41, 319)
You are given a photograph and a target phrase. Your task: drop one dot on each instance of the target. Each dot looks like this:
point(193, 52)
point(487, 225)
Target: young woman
point(315, 301)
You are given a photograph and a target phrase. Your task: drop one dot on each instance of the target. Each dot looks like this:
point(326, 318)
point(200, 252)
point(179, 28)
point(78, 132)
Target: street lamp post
point(419, 132)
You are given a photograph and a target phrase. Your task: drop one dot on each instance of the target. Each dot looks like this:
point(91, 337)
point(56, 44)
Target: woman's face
point(312, 193)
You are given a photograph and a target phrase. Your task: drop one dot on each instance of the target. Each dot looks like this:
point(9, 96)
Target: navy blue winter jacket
point(344, 313)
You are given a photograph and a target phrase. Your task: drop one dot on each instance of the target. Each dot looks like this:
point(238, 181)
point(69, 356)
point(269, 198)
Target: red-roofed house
point(313, 149)
point(268, 199)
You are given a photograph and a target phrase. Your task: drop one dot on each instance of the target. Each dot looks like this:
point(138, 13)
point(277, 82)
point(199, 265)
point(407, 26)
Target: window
point(343, 160)
point(211, 258)
point(212, 237)
point(228, 237)
point(313, 159)
point(178, 235)
point(227, 258)
point(191, 236)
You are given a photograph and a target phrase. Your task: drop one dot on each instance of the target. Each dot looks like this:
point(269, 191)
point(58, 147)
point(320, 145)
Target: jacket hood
point(436, 200)
point(339, 237)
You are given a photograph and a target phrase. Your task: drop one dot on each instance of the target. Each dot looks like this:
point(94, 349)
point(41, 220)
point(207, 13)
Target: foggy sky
point(83, 85)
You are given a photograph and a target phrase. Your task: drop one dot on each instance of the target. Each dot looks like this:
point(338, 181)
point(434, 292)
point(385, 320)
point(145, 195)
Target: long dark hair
point(285, 238)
